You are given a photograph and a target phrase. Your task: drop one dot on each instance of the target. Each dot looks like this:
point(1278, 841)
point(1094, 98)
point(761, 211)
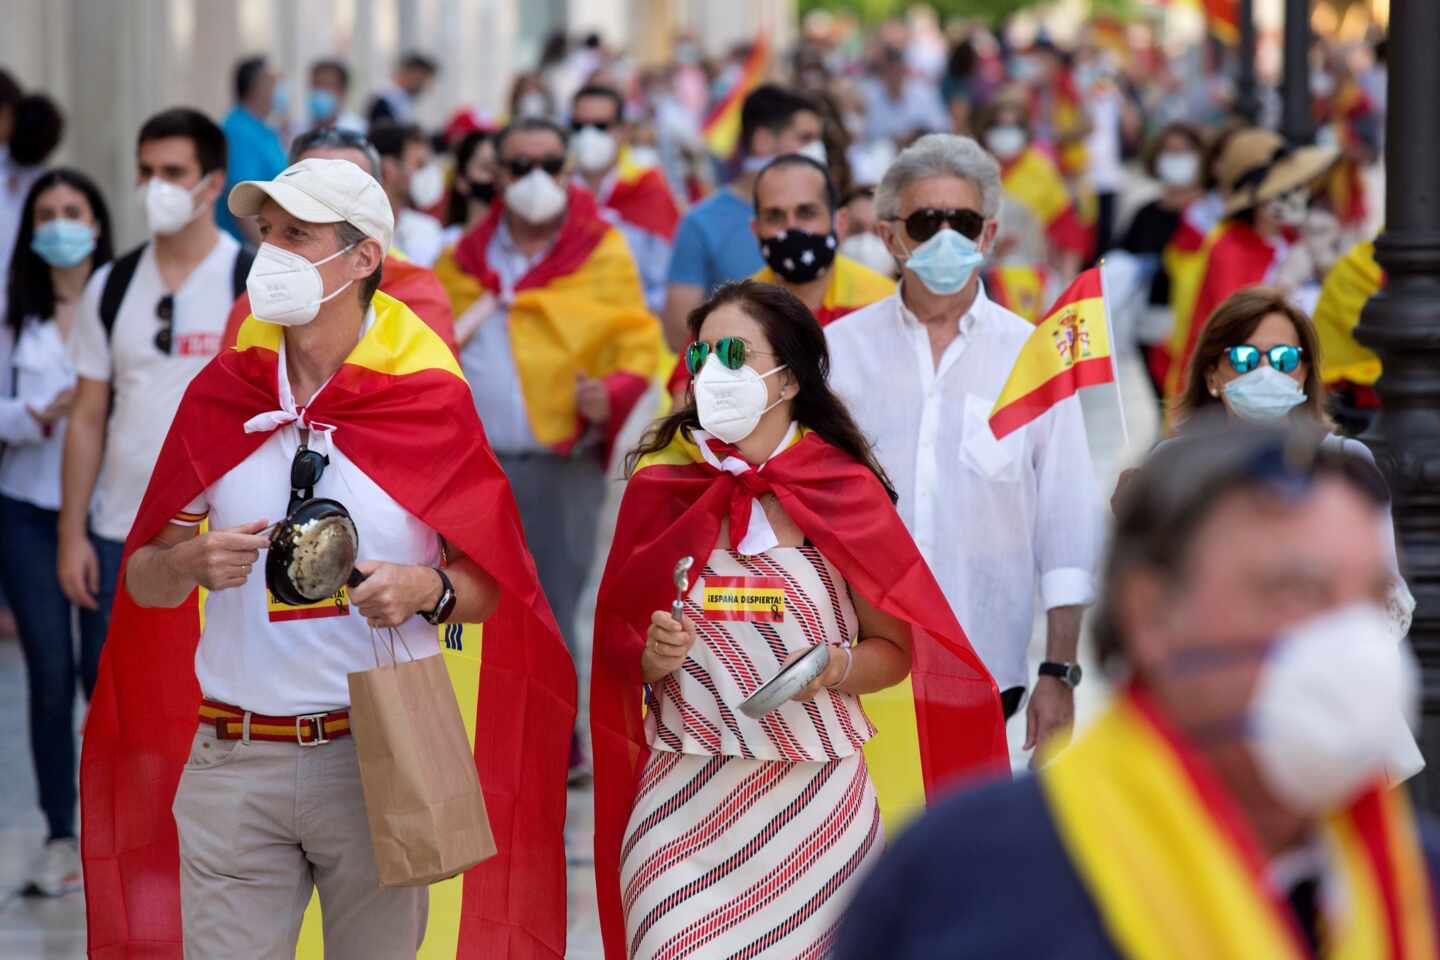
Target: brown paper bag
point(422, 794)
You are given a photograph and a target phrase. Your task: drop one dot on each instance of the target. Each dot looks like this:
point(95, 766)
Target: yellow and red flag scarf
point(1177, 873)
point(1033, 181)
point(1069, 350)
point(1354, 279)
point(942, 725)
point(1019, 289)
point(580, 309)
point(721, 128)
point(641, 197)
point(402, 413)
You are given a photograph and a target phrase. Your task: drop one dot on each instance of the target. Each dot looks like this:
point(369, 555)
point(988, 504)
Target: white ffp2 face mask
point(1330, 710)
point(287, 289)
point(535, 197)
point(168, 208)
point(595, 150)
point(427, 186)
point(731, 402)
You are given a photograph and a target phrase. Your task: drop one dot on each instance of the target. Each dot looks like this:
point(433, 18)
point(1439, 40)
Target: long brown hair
point(1232, 324)
point(799, 345)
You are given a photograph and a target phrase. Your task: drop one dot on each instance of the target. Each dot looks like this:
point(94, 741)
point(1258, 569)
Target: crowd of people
point(711, 349)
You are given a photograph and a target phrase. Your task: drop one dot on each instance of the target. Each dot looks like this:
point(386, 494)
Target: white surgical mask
point(1006, 142)
point(532, 104)
point(1263, 394)
point(168, 208)
point(731, 402)
point(815, 150)
point(595, 150)
point(1290, 209)
point(287, 289)
point(1178, 169)
point(869, 249)
point(427, 186)
point(535, 197)
point(1330, 708)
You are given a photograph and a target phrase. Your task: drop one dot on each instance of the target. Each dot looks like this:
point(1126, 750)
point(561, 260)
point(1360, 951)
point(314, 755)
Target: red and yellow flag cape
point(1033, 181)
point(941, 725)
point(410, 283)
point(1183, 259)
point(721, 127)
point(1235, 257)
point(404, 415)
point(580, 309)
point(1019, 289)
point(643, 198)
point(1349, 285)
point(1069, 350)
point(1177, 873)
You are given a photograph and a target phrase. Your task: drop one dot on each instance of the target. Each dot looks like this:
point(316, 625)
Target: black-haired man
point(412, 78)
point(30, 129)
point(414, 182)
point(329, 90)
point(255, 149)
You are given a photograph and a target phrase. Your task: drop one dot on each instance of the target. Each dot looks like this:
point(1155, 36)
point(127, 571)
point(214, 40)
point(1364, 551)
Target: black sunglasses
point(925, 223)
point(601, 125)
point(305, 472)
point(522, 166)
point(1284, 357)
point(165, 313)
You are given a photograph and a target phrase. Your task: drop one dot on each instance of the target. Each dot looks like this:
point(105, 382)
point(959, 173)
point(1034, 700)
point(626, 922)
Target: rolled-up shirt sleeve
point(1069, 523)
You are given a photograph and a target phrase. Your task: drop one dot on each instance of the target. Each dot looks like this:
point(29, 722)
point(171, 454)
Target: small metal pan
point(312, 553)
point(776, 692)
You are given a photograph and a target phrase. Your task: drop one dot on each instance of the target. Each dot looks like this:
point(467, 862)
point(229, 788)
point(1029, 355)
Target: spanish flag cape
point(1019, 289)
point(1183, 260)
point(408, 282)
point(1033, 181)
point(403, 413)
point(1177, 873)
point(1354, 279)
point(942, 724)
point(641, 197)
point(1235, 256)
point(580, 309)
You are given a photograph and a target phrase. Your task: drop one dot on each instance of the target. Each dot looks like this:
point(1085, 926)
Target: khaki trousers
point(261, 824)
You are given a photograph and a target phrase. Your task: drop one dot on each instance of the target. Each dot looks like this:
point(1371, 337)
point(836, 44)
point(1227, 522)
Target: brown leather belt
point(307, 730)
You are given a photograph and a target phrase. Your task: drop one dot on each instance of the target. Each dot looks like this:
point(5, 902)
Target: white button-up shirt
point(995, 519)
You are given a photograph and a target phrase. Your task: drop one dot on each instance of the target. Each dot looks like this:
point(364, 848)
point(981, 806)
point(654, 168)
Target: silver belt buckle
point(318, 719)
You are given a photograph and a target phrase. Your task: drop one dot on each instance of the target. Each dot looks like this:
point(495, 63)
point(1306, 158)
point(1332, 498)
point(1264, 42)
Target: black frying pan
point(312, 553)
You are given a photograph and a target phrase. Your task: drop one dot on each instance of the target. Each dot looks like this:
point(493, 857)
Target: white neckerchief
point(759, 535)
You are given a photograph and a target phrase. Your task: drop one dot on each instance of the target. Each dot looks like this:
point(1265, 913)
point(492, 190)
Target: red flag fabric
point(673, 508)
point(404, 415)
point(644, 199)
point(1239, 257)
point(579, 235)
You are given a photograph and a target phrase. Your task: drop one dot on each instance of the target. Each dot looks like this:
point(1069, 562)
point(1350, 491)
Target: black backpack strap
point(118, 281)
point(243, 258)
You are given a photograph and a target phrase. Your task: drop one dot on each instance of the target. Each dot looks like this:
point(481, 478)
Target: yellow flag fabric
point(852, 286)
point(1034, 182)
point(1354, 279)
point(1069, 349)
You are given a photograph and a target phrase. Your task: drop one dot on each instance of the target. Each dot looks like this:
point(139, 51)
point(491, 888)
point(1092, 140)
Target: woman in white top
point(64, 236)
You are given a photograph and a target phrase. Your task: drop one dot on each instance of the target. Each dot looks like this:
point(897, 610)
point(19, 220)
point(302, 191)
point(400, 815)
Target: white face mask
point(535, 197)
point(595, 150)
point(1178, 169)
point(427, 186)
point(1291, 209)
point(645, 156)
point(532, 104)
point(168, 208)
point(1330, 708)
point(287, 289)
point(731, 402)
point(869, 249)
point(815, 150)
point(1006, 142)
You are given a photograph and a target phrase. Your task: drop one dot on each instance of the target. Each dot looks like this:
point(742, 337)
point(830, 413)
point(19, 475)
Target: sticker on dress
point(333, 606)
point(752, 599)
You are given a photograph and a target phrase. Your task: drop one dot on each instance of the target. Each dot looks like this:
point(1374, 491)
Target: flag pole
point(1114, 354)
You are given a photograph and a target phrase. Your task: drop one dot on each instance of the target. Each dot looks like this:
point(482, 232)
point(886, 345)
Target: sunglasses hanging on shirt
point(165, 313)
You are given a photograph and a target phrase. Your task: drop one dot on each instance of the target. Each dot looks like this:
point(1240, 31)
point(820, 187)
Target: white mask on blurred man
point(535, 197)
point(595, 149)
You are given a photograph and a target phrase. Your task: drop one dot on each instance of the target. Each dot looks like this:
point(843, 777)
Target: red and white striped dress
point(748, 837)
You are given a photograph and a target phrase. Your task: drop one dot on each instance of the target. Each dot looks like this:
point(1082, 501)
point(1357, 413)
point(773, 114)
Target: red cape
point(645, 200)
point(416, 434)
point(673, 511)
point(1239, 258)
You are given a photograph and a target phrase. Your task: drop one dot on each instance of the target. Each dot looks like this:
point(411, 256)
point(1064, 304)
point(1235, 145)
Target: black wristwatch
point(1067, 673)
point(445, 605)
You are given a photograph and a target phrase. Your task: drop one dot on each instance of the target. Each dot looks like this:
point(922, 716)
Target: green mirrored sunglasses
point(732, 352)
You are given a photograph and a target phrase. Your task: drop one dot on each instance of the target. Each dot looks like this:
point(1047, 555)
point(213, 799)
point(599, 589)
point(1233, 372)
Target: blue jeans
point(27, 571)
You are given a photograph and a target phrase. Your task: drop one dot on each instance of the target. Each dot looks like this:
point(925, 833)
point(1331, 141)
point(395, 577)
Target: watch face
point(1072, 676)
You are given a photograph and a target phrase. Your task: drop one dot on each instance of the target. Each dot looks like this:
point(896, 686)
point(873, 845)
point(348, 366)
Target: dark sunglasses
point(522, 166)
point(601, 125)
point(165, 313)
point(732, 352)
point(1283, 357)
point(305, 472)
point(924, 224)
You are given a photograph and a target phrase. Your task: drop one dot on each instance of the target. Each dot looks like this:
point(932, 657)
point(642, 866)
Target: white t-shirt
point(280, 660)
point(34, 373)
point(147, 384)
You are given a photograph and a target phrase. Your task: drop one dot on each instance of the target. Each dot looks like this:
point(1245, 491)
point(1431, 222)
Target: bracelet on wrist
point(849, 663)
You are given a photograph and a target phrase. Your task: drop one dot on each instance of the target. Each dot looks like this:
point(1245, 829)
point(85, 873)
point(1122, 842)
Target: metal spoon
point(682, 583)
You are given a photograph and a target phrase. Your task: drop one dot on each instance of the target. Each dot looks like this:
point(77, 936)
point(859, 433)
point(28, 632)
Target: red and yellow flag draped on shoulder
point(642, 198)
point(579, 310)
point(673, 508)
point(403, 414)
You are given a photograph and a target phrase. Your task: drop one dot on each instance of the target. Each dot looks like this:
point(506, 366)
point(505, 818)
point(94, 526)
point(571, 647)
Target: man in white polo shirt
point(333, 391)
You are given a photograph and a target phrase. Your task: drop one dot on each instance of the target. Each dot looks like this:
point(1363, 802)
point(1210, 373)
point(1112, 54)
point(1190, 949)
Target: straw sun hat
point(1258, 165)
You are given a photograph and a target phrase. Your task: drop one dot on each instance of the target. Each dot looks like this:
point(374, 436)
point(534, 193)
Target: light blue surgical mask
point(323, 105)
point(64, 243)
point(1263, 394)
point(280, 103)
point(945, 262)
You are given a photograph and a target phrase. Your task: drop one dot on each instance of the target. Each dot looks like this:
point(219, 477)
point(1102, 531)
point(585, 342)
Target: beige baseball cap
point(322, 190)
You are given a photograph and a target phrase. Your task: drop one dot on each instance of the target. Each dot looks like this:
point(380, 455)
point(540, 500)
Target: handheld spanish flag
point(1069, 349)
point(721, 129)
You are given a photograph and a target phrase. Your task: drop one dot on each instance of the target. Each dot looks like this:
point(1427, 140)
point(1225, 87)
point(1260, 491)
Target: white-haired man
point(921, 371)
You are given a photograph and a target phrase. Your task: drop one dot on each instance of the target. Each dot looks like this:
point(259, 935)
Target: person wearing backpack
point(147, 324)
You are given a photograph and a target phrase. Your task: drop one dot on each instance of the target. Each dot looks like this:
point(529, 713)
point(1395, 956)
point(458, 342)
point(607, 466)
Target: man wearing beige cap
point(332, 391)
